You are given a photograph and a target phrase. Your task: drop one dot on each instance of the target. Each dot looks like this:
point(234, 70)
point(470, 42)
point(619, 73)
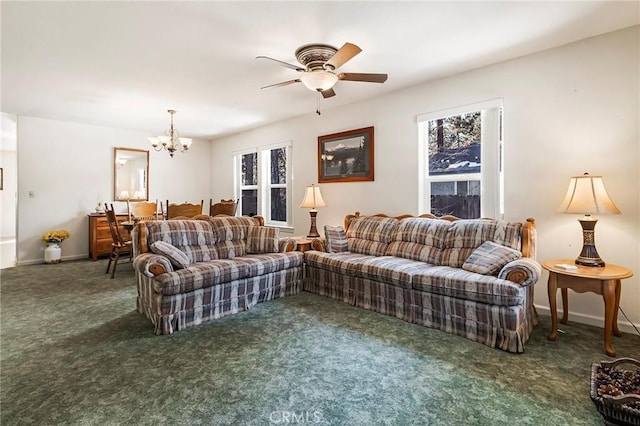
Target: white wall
point(69, 168)
point(566, 111)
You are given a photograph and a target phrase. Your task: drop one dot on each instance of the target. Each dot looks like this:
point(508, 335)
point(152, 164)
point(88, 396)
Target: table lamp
point(587, 195)
point(313, 199)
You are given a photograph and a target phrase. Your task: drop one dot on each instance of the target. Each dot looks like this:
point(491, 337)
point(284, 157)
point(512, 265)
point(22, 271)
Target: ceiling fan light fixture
point(319, 80)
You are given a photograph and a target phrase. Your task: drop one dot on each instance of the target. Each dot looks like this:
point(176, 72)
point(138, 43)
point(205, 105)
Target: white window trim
point(491, 176)
point(264, 182)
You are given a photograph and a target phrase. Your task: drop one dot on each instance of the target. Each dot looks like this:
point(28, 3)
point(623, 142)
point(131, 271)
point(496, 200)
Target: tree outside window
point(462, 162)
point(278, 181)
point(249, 186)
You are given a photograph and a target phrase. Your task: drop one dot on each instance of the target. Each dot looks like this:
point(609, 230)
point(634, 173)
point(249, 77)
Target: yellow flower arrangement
point(55, 236)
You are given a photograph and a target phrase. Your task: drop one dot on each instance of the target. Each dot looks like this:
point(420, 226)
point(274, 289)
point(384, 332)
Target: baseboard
point(624, 325)
point(38, 261)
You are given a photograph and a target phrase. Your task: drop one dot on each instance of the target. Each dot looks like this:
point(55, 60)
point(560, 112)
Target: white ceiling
point(123, 64)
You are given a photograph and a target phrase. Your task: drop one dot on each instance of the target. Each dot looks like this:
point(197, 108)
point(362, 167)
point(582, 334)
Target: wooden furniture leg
point(609, 296)
point(552, 288)
point(616, 330)
point(565, 306)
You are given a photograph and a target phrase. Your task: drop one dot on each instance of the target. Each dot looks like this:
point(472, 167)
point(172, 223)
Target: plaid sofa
point(424, 270)
point(192, 271)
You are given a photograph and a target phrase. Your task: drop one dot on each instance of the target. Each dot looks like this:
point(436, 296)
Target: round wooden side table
point(605, 281)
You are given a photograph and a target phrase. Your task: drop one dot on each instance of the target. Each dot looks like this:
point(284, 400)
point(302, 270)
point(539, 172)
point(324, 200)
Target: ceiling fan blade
point(343, 54)
point(284, 83)
point(284, 64)
point(328, 93)
point(357, 76)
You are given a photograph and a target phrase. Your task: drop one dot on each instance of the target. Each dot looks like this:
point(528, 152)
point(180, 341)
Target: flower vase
point(52, 253)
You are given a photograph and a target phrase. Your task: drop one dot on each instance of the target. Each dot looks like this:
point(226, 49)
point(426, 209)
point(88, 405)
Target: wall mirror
point(130, 174)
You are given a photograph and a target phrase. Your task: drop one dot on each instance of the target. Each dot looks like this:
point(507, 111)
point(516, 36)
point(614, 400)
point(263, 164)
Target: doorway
point(8, 190)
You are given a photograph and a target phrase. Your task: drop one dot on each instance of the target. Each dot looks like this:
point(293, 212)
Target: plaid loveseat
point(192, 271)
point(473, 278)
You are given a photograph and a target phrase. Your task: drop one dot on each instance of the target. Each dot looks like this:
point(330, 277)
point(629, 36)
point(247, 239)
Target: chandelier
point(171, 140)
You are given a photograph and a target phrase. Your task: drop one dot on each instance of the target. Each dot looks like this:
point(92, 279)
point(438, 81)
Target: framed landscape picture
point(346, 156)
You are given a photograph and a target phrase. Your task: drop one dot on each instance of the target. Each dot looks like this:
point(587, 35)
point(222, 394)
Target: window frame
point(491, 157)
point(264, 185)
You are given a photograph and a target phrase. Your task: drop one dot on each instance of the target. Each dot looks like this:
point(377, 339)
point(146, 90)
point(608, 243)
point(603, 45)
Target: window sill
point(284, 228)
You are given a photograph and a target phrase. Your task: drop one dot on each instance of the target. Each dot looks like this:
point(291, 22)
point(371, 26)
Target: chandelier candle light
point(312, 199)
point(587, 195)
point(171, 140)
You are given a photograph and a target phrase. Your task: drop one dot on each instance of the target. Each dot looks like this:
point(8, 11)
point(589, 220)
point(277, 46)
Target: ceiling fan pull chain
point(318, 104)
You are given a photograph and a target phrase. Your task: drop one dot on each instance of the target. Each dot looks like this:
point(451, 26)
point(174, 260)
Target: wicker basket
point(615, 410)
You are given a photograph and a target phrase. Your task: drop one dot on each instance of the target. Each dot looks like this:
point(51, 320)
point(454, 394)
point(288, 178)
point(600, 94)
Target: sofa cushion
point(177, 257)
point(370, 234)
point(461, 284)
point(231, 233)
point(343, 263)
point(232, 228)
point(263, 239)
point(194, 237)
point(419, 238)
point(200, 275)
point(489, 258)
point(464, 236)
point(389, 269)
point(372, 228)
point(336, 239)
point(260, 264)
point(368, 247)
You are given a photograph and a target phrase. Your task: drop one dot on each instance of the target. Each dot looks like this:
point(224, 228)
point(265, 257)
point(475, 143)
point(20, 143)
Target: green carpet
point(74, 351)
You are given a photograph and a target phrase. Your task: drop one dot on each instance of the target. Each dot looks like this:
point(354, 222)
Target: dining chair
point(184, 210)
point(144, 210)
point(224, 207)
point(120, 244)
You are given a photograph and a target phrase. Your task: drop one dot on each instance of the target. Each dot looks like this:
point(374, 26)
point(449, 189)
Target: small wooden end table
point(304, 244)
point(605, 281)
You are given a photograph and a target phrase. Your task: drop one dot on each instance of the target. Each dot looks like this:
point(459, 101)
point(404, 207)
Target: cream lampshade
point(587, 195)
point(313, 199)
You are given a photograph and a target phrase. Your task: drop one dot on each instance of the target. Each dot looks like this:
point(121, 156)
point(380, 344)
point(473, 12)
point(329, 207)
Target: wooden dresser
point(99, 234)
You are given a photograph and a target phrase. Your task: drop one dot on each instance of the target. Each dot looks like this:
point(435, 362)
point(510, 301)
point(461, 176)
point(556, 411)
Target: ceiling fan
point(320, 62)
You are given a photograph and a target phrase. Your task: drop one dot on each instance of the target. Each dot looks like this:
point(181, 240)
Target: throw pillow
point(178, 258)
point(489, 258)
point(263, 239)
point(336, 239)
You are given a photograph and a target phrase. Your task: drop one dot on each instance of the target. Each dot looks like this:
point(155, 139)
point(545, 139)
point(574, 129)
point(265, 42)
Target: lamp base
point(589, 255)
point(313, 232)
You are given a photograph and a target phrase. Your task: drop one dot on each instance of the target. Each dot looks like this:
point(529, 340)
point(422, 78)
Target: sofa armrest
point(287, 244)
point(524, 271)
point(151, 264)
point(319, 244)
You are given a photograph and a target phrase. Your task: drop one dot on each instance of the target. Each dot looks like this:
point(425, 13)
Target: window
point(461, 164)
point(263, 183)
point(277, 184)
point(249, 184)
